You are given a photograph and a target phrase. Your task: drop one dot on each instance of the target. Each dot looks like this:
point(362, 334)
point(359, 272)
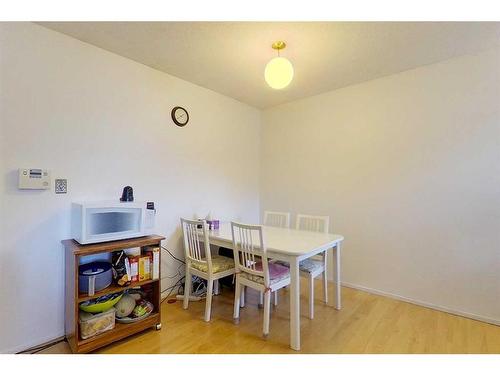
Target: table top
point(283, 240)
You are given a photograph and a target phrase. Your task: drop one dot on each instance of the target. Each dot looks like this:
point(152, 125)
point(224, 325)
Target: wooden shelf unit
point(73, 251)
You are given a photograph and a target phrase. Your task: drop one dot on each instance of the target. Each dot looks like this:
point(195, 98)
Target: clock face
point(180, 116)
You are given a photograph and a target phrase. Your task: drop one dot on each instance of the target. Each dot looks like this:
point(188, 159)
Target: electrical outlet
point(61, 186)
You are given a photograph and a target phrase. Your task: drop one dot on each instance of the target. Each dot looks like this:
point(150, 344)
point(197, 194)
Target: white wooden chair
point(201, 263)
point(253, 269)
point(315, 266)
point(280, 220)
point(277, 219)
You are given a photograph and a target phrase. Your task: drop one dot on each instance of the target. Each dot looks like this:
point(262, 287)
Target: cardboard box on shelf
point(154, 257)
point(134, 268)
point(144, 268)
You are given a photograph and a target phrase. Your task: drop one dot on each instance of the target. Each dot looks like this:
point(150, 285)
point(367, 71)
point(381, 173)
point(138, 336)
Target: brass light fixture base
point(278, 45)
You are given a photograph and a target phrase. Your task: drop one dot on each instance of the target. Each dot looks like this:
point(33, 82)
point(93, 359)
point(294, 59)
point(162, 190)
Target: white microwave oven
point(93, 222)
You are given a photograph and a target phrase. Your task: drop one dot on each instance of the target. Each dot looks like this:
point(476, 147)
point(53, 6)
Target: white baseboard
point(33, 344)
point(480, 318)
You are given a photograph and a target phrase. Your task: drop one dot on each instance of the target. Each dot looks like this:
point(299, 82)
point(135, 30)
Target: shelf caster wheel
point(260, 306)
point(236, 320)
point(158, 326)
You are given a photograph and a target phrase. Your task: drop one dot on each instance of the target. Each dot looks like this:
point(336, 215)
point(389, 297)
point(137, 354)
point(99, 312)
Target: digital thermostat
point(34, 178)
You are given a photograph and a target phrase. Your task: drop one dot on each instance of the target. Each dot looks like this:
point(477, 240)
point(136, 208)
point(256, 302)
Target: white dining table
point(292, 246)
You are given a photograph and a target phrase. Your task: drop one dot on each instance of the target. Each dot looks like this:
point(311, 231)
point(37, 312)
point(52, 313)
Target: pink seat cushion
point(276, 271)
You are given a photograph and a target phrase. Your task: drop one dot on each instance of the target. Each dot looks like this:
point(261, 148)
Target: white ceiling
point(229, 57)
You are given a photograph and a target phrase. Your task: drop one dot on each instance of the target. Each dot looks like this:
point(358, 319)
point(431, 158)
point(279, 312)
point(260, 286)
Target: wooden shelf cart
point(73, 251)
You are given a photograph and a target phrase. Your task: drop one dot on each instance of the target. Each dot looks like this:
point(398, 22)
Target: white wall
point(103, 122)
point(408, 168)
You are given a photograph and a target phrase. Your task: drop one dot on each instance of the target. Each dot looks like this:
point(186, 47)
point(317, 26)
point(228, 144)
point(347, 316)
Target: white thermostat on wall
point(34, 178)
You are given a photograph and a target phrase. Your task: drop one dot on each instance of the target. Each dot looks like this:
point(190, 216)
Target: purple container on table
point(213, 224)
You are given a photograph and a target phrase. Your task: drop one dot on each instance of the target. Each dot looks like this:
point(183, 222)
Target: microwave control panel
point(34, 178)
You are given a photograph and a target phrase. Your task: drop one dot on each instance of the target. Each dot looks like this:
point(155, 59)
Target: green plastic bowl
point(100, 307)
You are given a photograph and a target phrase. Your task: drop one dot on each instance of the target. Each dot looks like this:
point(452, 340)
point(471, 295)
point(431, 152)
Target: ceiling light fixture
point(279, 71)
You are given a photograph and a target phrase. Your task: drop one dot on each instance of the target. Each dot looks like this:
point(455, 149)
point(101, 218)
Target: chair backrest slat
point(194, 252)
point(277, 219)
point(249, 246)
point(313, 223)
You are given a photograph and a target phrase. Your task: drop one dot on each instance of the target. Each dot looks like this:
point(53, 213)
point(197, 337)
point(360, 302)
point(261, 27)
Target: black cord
point(179, 273)
point(172, 255)
point(179, 284)
point(171, 287)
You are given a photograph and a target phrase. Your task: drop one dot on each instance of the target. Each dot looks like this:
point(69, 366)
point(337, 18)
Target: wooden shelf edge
point(114, 289)
point(102, 247)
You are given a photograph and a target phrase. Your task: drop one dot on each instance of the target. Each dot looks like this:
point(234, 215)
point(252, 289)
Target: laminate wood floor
point(367, 323)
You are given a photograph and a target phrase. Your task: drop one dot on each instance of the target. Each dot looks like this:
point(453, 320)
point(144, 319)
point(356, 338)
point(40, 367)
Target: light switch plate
point(61, 186)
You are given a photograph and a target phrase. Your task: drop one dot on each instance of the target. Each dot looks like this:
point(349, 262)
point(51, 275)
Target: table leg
point(216, 287)
point(294, 304)
point(336, 271)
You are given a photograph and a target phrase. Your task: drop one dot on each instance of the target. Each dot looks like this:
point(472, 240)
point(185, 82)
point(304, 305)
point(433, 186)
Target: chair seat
point(310, 265)
point(219, 264)
point(277, 272)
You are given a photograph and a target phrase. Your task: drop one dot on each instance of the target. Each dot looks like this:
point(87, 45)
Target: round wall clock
point(180, 116)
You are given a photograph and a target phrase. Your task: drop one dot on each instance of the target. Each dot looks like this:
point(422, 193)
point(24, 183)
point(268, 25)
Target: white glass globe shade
point(278, 73)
